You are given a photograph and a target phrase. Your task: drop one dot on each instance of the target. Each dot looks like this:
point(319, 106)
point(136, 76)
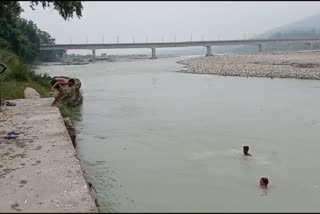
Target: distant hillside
point(308, 27)
point(309, 24)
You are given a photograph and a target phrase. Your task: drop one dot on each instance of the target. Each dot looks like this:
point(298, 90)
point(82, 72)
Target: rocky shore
point(294, 65)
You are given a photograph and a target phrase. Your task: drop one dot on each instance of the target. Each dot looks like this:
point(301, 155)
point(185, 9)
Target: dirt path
point(39, 171)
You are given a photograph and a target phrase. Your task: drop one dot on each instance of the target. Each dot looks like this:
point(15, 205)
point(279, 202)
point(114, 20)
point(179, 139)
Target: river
point(155, 140)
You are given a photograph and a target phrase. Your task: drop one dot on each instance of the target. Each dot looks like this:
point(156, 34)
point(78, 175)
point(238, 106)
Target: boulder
point(30, 93)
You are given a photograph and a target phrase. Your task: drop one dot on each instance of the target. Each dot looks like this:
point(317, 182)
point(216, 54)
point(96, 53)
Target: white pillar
point(93, 54)
point(153, 56)
point(209, 53)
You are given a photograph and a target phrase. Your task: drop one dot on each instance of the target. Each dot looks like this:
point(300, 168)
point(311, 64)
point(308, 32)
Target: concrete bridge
point(153, 46)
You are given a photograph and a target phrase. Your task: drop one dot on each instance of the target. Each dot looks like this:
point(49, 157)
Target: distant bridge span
point(154, 45)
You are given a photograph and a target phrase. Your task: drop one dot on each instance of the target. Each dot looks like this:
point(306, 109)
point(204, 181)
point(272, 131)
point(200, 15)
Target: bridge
point(153, 46)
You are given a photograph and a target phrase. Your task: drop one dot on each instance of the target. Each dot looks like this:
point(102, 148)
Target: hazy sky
point(139, 20)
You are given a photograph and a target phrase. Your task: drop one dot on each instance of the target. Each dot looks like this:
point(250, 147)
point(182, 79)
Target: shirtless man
point(59, 86)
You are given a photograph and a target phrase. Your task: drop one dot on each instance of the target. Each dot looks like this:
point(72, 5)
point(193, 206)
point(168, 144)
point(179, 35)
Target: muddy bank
point(294, 65)
point(39, 170)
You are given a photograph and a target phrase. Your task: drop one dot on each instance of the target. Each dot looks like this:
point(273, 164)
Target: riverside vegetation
point(20, 41)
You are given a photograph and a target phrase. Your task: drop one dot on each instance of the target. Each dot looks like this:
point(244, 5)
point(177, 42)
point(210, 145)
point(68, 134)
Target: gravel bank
point(294, 65)
point(39, 170)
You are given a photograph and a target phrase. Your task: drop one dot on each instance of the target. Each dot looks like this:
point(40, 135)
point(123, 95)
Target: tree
point(29, 40)
point(22, 36)
point(48, 55)
point(45, 38)
point(64, 8)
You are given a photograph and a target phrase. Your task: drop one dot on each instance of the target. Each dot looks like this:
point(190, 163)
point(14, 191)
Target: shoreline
point(39, 170)
point(283, 65)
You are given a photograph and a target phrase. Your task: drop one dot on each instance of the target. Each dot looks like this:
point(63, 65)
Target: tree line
point(23, 37)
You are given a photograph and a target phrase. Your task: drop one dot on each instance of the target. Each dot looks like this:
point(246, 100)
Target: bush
point(17, 72)
point(19, 76)
point(74, 113)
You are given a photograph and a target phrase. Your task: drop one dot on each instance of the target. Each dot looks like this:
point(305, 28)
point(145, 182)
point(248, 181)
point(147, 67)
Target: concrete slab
point(39, 170)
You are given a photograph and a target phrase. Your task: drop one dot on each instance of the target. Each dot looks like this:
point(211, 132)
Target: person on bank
point(59, 86)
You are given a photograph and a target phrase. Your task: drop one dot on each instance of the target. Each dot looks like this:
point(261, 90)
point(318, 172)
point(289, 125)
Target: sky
point(156, 21)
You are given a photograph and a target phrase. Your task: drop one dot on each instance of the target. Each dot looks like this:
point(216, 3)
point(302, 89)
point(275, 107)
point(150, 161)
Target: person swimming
point(264, 182)
point(246, 151)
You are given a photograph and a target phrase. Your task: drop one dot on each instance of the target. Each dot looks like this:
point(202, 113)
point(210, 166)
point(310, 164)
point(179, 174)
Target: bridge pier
point(260, 48)
point(153, 56)
point(209, 53)
point(64, 54)
point(93, 54)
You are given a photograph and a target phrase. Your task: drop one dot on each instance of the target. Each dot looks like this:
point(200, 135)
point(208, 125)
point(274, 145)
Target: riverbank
point(294, 65)
point(39, 170)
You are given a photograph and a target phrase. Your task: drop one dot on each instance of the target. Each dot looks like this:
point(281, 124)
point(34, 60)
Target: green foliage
point(18, 72)
point(20, 36)
point(23, 37)
point(4, 44)
point(65, 8)
point(19, 76)
point(13, 89)
point(73, 113)
point(9, 58)
point(48, 55)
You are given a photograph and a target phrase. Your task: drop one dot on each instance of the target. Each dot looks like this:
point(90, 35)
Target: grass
point(18, 76)
point(68, 111)
point(13, 89)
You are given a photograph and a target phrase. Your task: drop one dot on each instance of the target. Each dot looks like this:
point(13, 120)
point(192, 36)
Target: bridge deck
point(173, 44)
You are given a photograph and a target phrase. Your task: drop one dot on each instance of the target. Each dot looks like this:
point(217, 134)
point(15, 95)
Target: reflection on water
point(264, 192)
point(151, 139)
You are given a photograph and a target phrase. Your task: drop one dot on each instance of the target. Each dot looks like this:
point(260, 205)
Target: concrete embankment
point(39, 170)
point(294, 65)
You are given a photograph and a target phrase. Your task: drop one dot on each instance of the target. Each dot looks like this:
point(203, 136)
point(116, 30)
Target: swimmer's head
point(264, 182)
point(246, 150)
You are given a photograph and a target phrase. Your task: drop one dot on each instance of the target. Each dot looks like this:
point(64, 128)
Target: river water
point(155, 140)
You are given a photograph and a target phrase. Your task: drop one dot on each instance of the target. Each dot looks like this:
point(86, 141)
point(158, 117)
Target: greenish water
point(151, 139)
